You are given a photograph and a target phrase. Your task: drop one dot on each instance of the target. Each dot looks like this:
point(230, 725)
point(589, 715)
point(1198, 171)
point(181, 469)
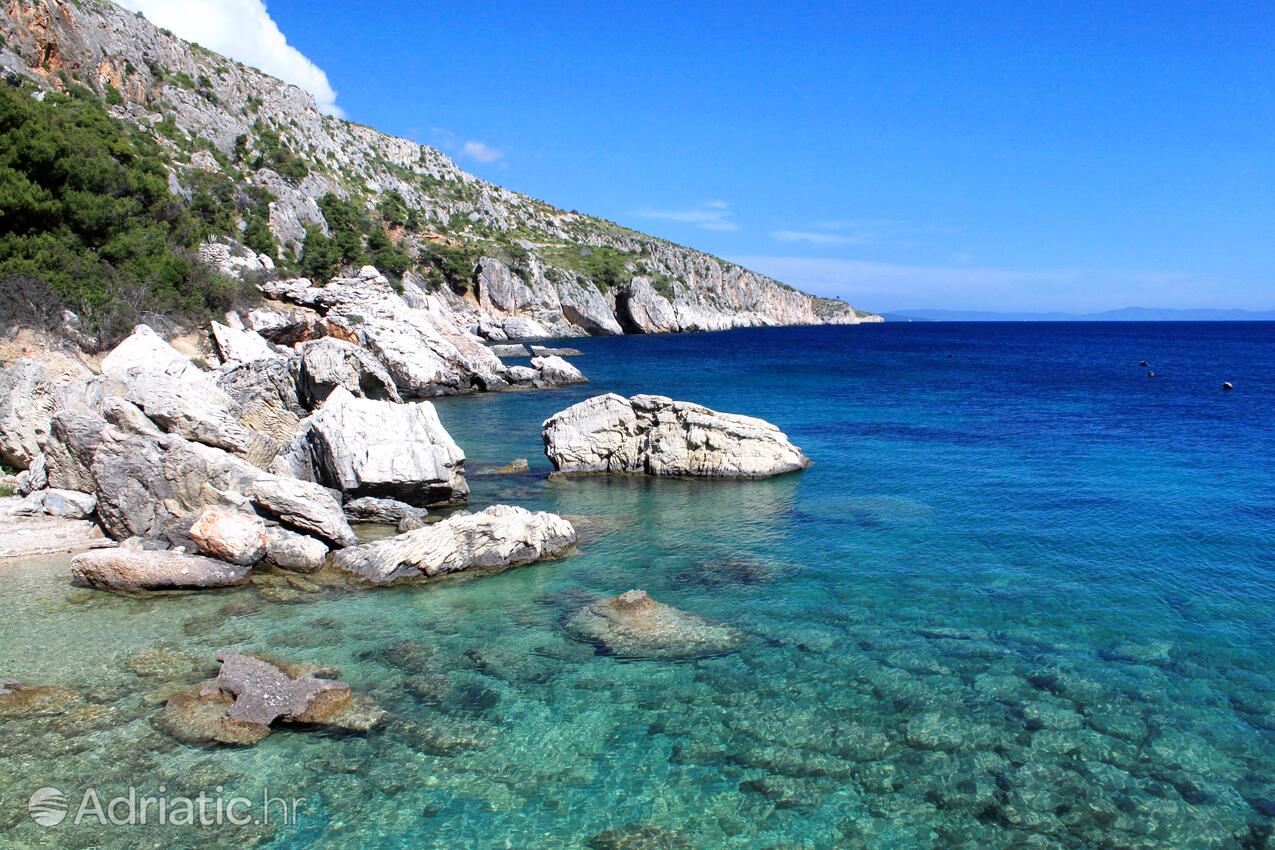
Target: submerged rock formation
point(654, 435)
point(633, 625)
point(500, 536)
point(250, 694)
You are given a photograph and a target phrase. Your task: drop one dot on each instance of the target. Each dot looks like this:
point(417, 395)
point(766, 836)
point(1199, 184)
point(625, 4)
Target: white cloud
point(890, 286)
point(244, 31)
point(885, 232)
point(710, 215)
point(481, 152)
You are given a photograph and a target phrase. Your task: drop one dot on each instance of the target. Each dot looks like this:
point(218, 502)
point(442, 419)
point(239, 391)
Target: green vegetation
point(450, 265)
point(606, 267)
point(276, 155)
point(354, 240)
point(87, 222)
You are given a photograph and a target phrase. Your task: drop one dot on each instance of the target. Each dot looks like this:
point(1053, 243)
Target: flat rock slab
point(633, 625)
point(516, 350)
point(544, 351)
point(26, 536)
point(129, 569)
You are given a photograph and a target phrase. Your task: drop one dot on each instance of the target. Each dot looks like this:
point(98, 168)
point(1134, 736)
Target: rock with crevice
point(389, 511)
point(655, 435)
point(633, 625)
point(329, 363)
point(500, 536)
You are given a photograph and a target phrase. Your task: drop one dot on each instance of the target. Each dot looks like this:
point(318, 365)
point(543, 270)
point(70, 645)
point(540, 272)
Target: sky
point(1016, 156)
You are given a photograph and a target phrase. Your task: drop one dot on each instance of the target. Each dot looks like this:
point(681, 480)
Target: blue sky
point(1018, 156)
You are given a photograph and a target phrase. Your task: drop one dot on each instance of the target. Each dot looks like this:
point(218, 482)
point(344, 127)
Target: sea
point(1024, 598)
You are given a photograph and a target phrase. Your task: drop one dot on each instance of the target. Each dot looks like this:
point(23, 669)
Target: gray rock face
point(542, 351)
point(500, 536)
point(364, 447)
point(296, 552)
point(389, 511)
point(643, 310)
point(232, 536)
point(133, 570)
point(524, 327)
point(264, 400)
point(554, 371)
point(633, 625)
point(151, 484)
point(655, 435)
point(330, 363)
point(28, 398)
point(67, 504)
point(192, 406)
point(517, 350)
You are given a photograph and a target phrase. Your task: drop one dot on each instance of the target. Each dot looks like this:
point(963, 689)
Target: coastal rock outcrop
point(633, 625)
point(655, 435)
point(298, 553)
point(643, 310)
point(500, 536)
point(389, 511)
point(329, 363)
point(135, 569)
point(240, 345)
point(364, 447)
point(554, 371)
point(28, 399)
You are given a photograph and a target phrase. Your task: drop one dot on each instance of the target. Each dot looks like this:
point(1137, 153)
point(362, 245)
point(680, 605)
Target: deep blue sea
point(1025, 598)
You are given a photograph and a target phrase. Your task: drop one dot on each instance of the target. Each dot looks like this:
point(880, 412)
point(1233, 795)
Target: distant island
point(1125, 314)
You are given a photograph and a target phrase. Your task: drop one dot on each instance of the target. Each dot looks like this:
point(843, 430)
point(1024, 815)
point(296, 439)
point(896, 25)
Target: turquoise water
point(1024, 598)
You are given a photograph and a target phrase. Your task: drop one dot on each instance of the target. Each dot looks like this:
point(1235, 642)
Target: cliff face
point(517, 266)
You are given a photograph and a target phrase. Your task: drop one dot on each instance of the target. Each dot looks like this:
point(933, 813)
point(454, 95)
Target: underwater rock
point(728, 572)
point(633, 625)
point(250, 693)
point(641, 837)
point(21, 700)
point(128, 569)
point(514, 467)
point(235, 537)
point(162, 664)
point(500, 536)
point(655, 435)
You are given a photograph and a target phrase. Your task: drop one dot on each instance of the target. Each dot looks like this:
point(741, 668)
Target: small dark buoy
point(1151, 374)
point(1143, 363)
point(1226, 385)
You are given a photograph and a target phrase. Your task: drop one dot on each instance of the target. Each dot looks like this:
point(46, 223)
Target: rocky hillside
point(313, 194)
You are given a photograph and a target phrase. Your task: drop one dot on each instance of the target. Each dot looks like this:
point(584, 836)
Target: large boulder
point(264, 400)
point(389, 511)
point(364, 447)
point(633, 625)
point(500, 536)
point(135, 569)
point(192, 406)
point(233, 536)
point(554, 371)
point(524, 327)
point(642, 310)
point(655, 435)
point(28, 398)
point(296, 552)
point(329, 363)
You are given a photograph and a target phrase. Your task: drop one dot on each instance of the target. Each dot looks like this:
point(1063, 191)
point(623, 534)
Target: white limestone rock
point(553, 371)
point(655, 435)
point(365, 447)
point(238, 345)
point(500, 536)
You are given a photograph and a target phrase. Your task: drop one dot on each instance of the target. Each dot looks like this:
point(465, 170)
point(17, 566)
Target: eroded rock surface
point(655, 435)
point(134, 570)
point(500, 536)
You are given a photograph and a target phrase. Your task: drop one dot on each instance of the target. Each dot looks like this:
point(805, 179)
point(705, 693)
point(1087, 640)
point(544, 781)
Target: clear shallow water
point(1024, 598)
